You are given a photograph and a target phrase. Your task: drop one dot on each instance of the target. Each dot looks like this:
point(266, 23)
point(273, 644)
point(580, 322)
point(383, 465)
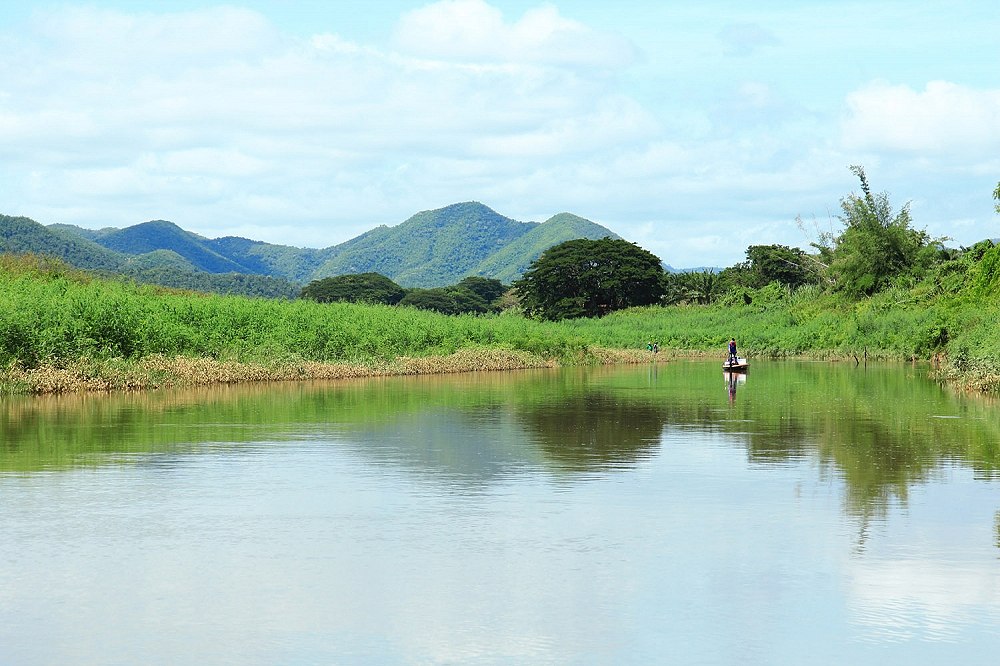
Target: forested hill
point(440, 247)
point(22, 235)
point(430, 249)
point(509, 263)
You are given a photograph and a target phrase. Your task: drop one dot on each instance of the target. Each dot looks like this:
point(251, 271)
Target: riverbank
point(155, 372)
point(64, 330)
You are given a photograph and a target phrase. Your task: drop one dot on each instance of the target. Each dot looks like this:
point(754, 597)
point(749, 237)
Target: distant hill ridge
point(432, 248)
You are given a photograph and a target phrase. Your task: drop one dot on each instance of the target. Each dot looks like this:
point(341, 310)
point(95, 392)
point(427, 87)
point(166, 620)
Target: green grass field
point(54, 317)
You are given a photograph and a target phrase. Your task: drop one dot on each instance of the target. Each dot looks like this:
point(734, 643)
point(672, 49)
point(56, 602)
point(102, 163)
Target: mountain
point(292, 263)
point(162, 235)
point(433, 248)
point(21, 235)
point(510, 262)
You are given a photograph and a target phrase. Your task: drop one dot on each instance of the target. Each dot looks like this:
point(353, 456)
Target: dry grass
point(160, 371)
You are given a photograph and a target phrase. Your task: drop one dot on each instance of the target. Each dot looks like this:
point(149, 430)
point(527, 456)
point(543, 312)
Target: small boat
point(735, 365)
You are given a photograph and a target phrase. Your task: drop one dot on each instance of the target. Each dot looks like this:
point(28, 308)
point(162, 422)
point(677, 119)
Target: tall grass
point(48, 315)
point(55, 317)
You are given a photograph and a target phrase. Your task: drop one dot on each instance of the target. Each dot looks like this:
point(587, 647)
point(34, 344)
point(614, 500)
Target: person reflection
point(732, 380)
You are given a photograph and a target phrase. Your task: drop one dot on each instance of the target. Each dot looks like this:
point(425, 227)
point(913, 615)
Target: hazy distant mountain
point(432, 248)
point(293, 263)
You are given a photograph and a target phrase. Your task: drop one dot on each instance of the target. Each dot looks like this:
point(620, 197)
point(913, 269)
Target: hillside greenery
point(430, 249)
point(929, 302)
point(434, 248)
point(511, 261)
point(20, 235)
point(232, 284)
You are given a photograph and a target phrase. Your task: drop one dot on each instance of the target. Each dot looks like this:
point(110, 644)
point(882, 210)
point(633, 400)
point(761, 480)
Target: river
point(807, 513)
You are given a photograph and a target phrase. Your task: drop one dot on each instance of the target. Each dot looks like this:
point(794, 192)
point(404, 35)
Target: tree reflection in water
point(881, 430)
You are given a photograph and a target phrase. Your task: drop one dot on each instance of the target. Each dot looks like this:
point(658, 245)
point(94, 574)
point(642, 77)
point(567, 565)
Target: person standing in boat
point(732, 351)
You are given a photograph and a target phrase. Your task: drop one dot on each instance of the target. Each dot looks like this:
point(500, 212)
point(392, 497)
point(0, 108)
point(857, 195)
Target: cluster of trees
point(877, 247)
point(231, 284)
point(471, 295)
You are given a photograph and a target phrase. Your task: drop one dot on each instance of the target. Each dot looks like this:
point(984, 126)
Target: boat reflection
point(732, 380)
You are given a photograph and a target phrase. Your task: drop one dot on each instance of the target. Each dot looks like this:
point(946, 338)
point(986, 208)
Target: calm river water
point(814, 513)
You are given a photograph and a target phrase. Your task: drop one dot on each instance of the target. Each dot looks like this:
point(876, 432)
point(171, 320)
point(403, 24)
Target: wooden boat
point(735, 365)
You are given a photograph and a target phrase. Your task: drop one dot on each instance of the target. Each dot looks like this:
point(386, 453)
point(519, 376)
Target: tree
point(777, 263)
point(703, 286)
point(438, 299)
point(876, 244)
point(996, 195)
point(590, 278)
point(354, 288)
point(487, 289)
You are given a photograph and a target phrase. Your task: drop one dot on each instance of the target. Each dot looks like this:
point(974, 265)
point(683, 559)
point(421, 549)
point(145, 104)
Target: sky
point(692, 129)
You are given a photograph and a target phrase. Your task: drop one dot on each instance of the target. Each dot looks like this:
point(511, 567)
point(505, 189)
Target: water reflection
point(733, 380)
point(470, 518)
point(594, 430)
point(880, 430)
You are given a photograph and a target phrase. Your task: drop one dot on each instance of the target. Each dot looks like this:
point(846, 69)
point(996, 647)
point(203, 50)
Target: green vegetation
point(22, 235)
point(431, 249)
point(434, 248)
point(474, 295)
point(233, 284)
point(878, 289)
point(361, 288)
point(876, 245)
point(471, 295)
point(117, 333)
point(585, 278)
point(511, 261)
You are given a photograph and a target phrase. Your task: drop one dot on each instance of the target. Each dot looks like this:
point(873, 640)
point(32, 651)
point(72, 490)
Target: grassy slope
point(52, 316)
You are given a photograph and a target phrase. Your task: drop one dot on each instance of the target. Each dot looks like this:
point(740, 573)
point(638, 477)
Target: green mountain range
point(431, 249)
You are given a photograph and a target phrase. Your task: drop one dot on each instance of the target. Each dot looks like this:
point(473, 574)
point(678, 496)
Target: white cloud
point(943, 119)
point(214, 115)
point(903, 599)
point(219, 121)
point(472, 30)
point(742, 39)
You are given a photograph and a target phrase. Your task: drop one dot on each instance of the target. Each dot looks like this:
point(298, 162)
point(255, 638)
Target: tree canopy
point(354, 288)
point(590, 278)
point(876, 244)
point(777, 263)
point(487, 289)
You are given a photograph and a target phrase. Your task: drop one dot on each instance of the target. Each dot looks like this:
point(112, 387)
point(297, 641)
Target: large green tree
point(355, 288)
point(777, 263)
point(876, 244)
point(488, 289)
point(590, 278)
point(439, 299)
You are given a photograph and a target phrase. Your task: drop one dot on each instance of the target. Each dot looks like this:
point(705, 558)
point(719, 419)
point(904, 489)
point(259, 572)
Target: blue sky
point(693, 129)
